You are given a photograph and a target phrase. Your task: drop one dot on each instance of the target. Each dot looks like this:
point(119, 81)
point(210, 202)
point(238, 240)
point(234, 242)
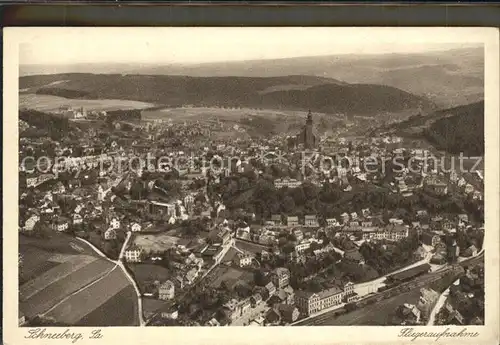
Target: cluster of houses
point(272, 304)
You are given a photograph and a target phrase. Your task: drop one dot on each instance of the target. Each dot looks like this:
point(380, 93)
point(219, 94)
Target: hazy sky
point(198, 45)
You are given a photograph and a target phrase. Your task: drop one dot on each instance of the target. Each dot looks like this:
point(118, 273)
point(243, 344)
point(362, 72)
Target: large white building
point(290, 183)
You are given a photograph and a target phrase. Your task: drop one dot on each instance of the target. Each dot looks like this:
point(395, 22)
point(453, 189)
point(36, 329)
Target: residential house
point(469, 188)
point(463, 218)
point(256, 299)
point(276, 219)
point(292, 221)
point(290, 183)
point(365, 212)
point(345, 217)
point(191, 275)
point(213, 323)
point(368, 223)
point(242, 260)
point(135, 227)
point(22, 319)
point(430, 239)
point(60, 224)
point(409, 314)
point(428, 298)
point(223, 236)
point(273, 317)
point(477, 195)
point(166, 291)
point(115, 223)
point(133, 254)
point(349, 294)
point(302, 247)
point(299, 235)
point(420, 253)
point(280, 277)
point(290, 295)
point(171, 313)
point(110, 234)
point(77, 219)
point(471, 251)
point(311, 221)
point(59, 188)
point(271, 289)
point(29, 225)
point(331, 222)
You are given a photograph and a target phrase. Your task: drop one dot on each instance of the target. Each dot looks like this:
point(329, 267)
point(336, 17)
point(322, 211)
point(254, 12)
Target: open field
point(35, 262)
point(87, 300)
point(160, 242)
point(61, 287)
point(61, 271)
point(56, 242)
point(47, 103)
point(230, 276)
point(183, 114)
point(145, 274)
point(119, 310)
point(151, 306)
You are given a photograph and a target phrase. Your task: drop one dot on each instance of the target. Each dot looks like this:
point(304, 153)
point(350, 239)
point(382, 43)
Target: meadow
point(87, 300)
point(65, 279)
point(147, 274)
point(230, 276)
point(54, 288)
point(154, 243)
point(119, 310)
point(47, 103)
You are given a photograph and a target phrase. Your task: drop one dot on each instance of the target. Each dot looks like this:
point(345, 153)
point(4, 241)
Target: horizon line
point(463, 46)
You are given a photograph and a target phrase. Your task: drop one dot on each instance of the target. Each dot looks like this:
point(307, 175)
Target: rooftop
point(410, 272)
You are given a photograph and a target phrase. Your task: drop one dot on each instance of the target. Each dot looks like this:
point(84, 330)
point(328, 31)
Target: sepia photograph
point(205, 177)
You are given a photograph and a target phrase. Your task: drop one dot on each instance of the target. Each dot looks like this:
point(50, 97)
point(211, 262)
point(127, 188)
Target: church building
point(307, 136)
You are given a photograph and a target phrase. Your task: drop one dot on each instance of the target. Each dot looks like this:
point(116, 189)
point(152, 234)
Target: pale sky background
point(197, 45)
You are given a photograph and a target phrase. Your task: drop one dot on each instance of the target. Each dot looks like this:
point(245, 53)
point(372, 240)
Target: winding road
point(119, 263)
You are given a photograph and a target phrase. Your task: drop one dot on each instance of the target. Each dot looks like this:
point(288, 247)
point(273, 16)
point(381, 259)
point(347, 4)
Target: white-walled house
point(115, 223)
point(135, 227)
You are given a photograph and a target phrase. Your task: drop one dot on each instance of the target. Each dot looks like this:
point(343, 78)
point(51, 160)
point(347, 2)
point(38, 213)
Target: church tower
point(308, 132)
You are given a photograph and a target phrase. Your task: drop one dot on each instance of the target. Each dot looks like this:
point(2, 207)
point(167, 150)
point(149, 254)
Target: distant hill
point(295, 92)
point(353, 98)
point(454, 130)
point(449, 77)
point(461, 132)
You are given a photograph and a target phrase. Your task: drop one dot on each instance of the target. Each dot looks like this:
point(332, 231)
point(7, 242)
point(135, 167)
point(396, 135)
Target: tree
point(137, 191)
point(243, 183)
point(288, 204)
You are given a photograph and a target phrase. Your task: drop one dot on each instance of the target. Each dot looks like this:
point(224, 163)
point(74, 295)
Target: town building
point(30, 223)
point(133, 254)
point(242, 260)
point(290, 183)
point(311, 221)
point(166, 291)
point(110, 234)
point(135, 227)
point(280, 277)
point(310, 303)
point(307, 136)
point(60, 224)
